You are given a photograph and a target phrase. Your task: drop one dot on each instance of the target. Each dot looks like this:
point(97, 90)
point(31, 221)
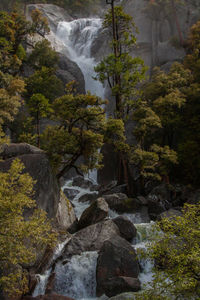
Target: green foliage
point(177, 253)
point(81, 131)
point(45, 82)
point(122, 72)
point(20, 238)
point(43, 55)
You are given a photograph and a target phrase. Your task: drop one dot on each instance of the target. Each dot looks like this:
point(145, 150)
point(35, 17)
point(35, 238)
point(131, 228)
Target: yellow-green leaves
point(20, 238)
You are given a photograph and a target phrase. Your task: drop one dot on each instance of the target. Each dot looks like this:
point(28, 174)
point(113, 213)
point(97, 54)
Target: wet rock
point(88, 197)
point(159, 200)
point(90, 238)
point(126, 227)
point(120, 202)
point(117, 260)
point(95, 213)
point(70, 193)
point(82, 182)
point(117, 285)
point(68, 70)
point(65, 216)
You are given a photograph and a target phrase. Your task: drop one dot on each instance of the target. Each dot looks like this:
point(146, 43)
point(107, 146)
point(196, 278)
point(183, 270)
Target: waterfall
point(78, 36)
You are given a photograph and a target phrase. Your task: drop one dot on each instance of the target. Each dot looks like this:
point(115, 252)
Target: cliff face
point(162, 29)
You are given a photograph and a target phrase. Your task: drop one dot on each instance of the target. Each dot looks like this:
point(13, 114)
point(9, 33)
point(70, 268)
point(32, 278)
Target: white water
point(77, 278)
point(78, 36)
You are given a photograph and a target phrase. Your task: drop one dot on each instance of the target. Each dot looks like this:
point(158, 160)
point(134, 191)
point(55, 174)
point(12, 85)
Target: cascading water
point(78, 36)
point(77, 277)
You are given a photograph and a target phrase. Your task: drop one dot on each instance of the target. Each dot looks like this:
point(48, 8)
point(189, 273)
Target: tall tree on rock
point(120, 70)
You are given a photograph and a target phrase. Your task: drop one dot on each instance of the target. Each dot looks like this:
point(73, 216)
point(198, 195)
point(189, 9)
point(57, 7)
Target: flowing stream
point(77, 278)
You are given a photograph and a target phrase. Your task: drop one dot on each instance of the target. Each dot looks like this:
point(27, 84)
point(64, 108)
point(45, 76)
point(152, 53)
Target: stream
point(77, 278)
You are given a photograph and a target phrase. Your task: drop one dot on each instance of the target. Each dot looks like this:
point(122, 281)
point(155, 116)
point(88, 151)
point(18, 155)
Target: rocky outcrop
point(90, 238)
point(124, 296)
point(95, 213)
point(117, 268)
point(53, 13)
point(126, 227)
point(81, 182)
point(68, 71)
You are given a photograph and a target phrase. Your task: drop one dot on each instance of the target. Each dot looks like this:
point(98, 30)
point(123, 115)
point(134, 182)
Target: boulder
point(117, 285)
point(159, 200)
point(70, 193)
point(65, 215)
point(46, 189)
point(170, 214)
point(95, 213)
point(88, 197)
point(126, 227)
point(120, 202)
point(81, 182)
point(117, 268)
point(90, 238)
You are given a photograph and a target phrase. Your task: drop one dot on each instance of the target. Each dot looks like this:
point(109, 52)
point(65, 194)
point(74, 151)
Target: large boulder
point(95, 213)
point(82, 182)
point(65, 216)
point(46, 189)
point(89, 197)
point(127, 230)
point(170, 214)
point(120, 202)
point(159, 200)
point(70, 193)
point(117, 268)
point(90, 238)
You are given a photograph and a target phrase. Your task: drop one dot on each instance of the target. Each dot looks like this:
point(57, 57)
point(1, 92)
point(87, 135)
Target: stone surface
point(159, 200)
point(46, 189)
point(88, 197)
point(65, 215)
point(95, 213)
point(170, 214)
point(91, 238)
point(126, 227)
point(117, 258)
point(82, 182)
point(68, 71)
point(120, 202)
point(70, 193)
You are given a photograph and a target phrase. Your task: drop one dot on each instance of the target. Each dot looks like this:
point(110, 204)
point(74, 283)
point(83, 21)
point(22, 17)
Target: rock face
point(95, 213)
point(65, 216)
point(117, 268)
point(46, 189)
point(126, 227)
point(68, 71)
point(47, 194)
point(53, 13)
point(90, 238)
